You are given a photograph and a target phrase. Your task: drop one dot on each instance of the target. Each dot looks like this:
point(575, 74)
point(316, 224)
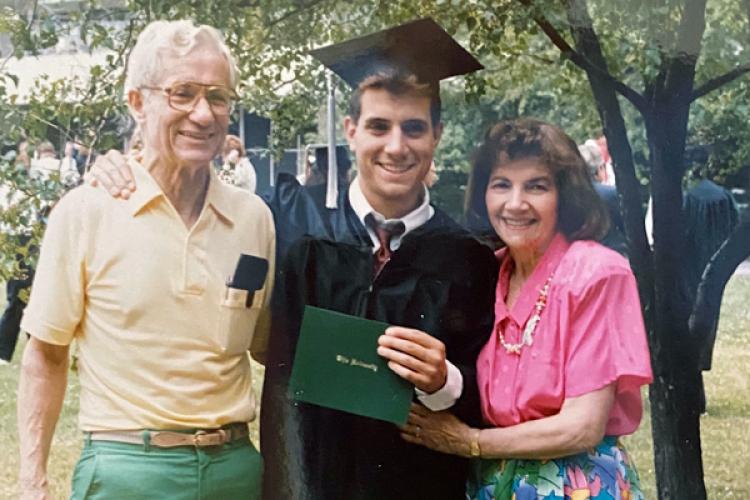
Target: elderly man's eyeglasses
point(184, 96)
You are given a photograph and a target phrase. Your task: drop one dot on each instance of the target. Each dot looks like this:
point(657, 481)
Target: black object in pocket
point(250, 273)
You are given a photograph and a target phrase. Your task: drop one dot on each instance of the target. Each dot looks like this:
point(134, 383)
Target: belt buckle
point(202, 439)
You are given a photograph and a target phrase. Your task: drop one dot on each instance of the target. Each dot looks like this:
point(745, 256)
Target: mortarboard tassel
point(332, 189)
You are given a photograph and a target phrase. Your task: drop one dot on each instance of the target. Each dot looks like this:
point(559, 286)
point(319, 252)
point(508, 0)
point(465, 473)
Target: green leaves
point(24, 204)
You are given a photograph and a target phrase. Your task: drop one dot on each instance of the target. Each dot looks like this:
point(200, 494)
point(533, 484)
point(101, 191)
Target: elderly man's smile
point(198, 136)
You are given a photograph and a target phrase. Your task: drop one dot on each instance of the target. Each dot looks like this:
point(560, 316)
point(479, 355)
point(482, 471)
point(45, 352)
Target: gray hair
point(46, 147)
point(592, 155)
point(171, 38)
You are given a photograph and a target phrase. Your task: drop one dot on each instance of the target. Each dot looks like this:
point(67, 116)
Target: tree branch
point(610, 113)
point(584, 63)
point(536, 57)
point(247, 4)
point(704, 318)
point(282, 83)
point(303, 7)
point(29, 23)
point(121, 61)
point(719, 81)
point(5, 62)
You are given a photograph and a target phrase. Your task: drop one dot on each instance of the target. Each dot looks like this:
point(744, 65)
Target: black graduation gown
point(615, 237)
point(300, 211)
point(711, 214)
point(440, 280)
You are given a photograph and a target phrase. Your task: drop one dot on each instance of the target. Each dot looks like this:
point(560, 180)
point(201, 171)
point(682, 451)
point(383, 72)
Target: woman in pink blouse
point(560, 376)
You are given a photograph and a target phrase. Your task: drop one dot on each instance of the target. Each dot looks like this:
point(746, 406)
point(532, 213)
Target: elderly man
point(164, 293)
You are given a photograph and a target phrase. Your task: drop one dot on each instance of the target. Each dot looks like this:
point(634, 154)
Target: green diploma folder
point(337, 366)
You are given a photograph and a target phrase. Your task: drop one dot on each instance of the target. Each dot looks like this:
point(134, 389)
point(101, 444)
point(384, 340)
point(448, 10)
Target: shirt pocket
point(237, 320)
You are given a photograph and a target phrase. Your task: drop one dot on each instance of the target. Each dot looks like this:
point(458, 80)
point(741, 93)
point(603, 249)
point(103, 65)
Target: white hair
point(592, 155)
point(175, 39)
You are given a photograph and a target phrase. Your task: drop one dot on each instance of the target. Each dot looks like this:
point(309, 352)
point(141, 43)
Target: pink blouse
point(590, 334)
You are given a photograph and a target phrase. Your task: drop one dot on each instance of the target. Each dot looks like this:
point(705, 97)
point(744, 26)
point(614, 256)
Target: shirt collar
point(411, 221)
point(147, 189)
point(524, 305)
point(218, 197)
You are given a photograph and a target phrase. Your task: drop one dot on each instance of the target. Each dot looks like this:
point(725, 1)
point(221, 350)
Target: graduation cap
point(420, 48)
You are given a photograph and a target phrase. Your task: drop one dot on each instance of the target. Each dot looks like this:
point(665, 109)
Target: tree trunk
point(675, 422)
point(676, 395)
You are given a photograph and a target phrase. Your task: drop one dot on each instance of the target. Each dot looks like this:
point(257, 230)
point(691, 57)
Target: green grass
point(725, 426)
point(67, 441)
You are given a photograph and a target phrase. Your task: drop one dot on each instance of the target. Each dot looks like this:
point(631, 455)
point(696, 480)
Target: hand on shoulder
point(112, 172)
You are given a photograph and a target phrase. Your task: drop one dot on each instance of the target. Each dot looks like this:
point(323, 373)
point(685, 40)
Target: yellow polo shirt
point(162, 340)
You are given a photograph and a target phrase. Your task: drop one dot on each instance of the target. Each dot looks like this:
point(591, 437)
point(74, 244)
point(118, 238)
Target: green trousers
point(120, 471)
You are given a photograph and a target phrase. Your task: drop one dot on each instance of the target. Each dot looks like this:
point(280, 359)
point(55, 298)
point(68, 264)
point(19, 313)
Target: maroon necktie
point(384, 232)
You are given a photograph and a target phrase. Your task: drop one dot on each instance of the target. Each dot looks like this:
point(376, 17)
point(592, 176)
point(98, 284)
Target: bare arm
point(41, 390)
point(580, 425)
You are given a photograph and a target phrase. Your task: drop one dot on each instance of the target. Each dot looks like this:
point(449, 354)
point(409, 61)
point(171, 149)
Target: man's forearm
point(41, 391)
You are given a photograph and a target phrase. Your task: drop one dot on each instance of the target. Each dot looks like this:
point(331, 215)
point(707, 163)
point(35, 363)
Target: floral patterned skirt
point(602, 473)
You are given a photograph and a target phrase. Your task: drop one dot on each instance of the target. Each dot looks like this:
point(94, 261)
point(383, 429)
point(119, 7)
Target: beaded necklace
point(528, 331)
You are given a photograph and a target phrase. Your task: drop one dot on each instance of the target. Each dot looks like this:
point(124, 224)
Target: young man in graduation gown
point(384, 254)
point(429, 275)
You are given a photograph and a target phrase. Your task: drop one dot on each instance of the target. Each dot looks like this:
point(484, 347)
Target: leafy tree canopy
point(525, 75)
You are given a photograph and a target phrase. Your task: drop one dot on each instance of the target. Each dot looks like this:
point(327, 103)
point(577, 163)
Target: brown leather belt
point(172, 439)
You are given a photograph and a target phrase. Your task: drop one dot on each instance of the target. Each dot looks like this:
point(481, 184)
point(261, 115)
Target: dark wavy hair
point(581, 213)
point(398, 84)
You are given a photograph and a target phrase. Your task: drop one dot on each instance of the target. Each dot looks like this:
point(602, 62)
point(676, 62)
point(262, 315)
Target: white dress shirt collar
point(411, 221)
